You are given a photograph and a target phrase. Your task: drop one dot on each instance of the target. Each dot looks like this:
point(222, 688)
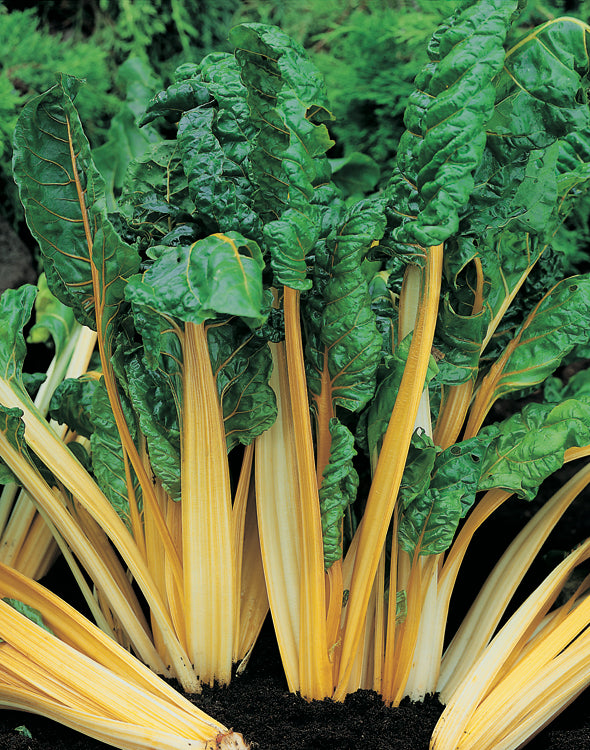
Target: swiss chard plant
point(289, 405)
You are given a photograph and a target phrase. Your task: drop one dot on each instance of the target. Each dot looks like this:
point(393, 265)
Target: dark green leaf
point(85, 260)
point(337, 491)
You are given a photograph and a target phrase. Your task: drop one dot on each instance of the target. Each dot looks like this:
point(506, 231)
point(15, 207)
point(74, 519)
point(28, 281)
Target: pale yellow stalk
point(279, 520)
point(388, 474)
point(484, 615)
point(207, 540)
point(315, 671)
point(500, 654)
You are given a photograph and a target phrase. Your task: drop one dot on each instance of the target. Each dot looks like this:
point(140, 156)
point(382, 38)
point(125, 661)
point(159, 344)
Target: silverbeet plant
point(277, 396)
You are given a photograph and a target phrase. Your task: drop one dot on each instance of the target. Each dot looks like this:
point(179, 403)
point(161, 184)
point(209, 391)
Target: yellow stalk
point(56, 455)
point(538, 669)
point(104, 348)
point(253, 597)
point(145, 704)
point(502, 651)
point(315, 671)
point(388, 474)
point(206, 516)
point(425, 666)
point(238, 526)
point(279, 520)
point(451, 418)
point(484, 615)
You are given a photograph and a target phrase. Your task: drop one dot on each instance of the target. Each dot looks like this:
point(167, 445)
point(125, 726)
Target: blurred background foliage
point(368, 50)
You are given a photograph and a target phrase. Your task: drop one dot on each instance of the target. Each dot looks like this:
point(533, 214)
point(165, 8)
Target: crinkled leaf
point(288, 105)
point(529, 446)
point(153, 399)
point(342, 334)
point(215, 144)
point(548, 65)
point(242, 364)
point(221, 274)
point(71, 404)
point(459, 338)
point(551, 331)
point(430, 520)
point(107, 453)
point(52, 319)
point(155, 198)
point(85, 260)
point(338, 490)
point(419, 463)
point(16, 306)
point(445, 120)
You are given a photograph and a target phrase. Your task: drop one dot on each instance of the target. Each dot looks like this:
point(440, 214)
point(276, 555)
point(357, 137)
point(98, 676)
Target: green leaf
point(445, 120)
point(16, 306)
point(555, 326)
point(429, 522)
point(218, 275)
point(529, 446)
point(242, 363)
point(153, 399)
point(125, 141)
point(108, 464)
point(375, 419)
point(155, 198)
point(52, 319)
point(342, 334)
point(85, 260)
point(337, 491)
point(13, 428)
point(288, 105)
point(71, 404)
point(355, 174)
point(548, 65)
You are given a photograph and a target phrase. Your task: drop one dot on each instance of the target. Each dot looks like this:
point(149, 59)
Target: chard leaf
point(153, 399)
point(215, 144)
point(242, 363)
point(108, 461)
point(342, 334)
point(459, 337)
point(418, 468)
point(337, 491)
point(288, 105)
point(155, 198)
point(547, 65)
point(529, 446)
point(445, 120)
point(13, 428)
point(550, 332)
point(429, 522)
point(218, 275)
point(16, 306)
point(52, 319)
point(85, 260)
point(71, 404)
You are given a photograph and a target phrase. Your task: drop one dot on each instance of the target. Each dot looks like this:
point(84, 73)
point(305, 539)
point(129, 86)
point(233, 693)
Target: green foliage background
point(369, 52)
